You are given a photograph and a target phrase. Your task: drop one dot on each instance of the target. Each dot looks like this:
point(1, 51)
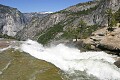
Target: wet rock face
point(15, 65)
point(117, 63)
point(11, 20)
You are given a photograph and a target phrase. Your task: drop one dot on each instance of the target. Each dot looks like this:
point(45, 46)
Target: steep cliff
point(11, 20)
point(92, 13)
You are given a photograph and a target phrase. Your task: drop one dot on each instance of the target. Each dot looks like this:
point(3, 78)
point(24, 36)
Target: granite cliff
point(11, 20)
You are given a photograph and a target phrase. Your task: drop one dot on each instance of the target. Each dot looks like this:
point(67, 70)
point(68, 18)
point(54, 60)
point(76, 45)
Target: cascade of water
point(70, 60)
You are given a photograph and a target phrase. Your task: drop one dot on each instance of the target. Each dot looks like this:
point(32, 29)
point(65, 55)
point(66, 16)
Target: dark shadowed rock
point(117, 63)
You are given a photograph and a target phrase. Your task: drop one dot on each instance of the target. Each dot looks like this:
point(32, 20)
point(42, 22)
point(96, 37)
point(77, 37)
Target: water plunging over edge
point(77, 65)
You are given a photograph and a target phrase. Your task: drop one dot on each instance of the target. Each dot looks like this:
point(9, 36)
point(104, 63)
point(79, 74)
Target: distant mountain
point(11, 20)
point(58, 24)
point(29, 16)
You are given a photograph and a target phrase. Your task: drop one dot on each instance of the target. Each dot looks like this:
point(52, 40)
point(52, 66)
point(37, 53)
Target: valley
point(80, 42)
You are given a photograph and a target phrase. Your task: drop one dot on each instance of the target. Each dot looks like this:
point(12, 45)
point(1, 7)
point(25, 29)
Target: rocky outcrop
point(98, 16)
point(105, 40)
point(117, 63)
point(11, 20)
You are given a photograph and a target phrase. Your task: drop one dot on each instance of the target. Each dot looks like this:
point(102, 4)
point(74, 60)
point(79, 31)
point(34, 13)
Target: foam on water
point(98, 64)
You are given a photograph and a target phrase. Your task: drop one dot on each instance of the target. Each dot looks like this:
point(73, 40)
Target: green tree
point(79, 30)
point(69, 33)
point(73, 32)
point(82, 26)
point(117, 16)
point(76, 32)
point(111, 19)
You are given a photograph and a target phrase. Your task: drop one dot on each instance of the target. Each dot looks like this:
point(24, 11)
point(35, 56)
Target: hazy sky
point(40, 5)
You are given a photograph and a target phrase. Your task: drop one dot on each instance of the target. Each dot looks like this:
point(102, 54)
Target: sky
point(40, 5)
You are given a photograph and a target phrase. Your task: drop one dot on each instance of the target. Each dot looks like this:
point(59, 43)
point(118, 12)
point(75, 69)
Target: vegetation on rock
point(50, 33)
point(79, 32)
point(82, 31)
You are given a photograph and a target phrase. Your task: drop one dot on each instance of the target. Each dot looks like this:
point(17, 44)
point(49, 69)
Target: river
point(75, 64)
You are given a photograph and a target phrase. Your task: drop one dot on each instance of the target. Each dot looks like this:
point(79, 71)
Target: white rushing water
point(98, 64)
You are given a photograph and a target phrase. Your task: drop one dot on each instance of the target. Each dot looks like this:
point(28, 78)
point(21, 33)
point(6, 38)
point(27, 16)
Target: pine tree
point(117, 16)
point(82, 27)
point(111, 19)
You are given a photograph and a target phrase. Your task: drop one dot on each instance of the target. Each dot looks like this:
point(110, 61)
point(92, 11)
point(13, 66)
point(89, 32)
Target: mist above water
point(98, 64)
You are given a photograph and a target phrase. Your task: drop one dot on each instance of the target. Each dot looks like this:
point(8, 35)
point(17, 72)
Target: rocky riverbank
point(105, 40)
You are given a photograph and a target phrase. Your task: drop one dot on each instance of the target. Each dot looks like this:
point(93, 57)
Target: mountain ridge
point(92, 13)
point(53, 19)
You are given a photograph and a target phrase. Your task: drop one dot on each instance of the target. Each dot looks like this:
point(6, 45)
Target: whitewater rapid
point(98, 64)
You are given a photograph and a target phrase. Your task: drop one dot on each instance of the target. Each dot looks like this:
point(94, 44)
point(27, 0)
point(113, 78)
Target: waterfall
point(73, 61)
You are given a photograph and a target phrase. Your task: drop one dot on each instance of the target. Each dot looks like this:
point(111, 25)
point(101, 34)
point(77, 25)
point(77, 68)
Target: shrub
point(50, 33)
